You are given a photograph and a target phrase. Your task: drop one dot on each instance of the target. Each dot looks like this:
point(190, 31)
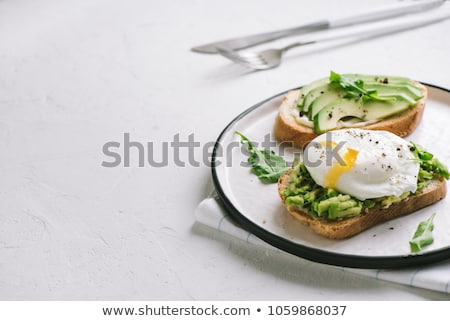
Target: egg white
point(384, 164)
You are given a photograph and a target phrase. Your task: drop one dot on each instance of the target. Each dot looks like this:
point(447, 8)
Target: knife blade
point(385, 12)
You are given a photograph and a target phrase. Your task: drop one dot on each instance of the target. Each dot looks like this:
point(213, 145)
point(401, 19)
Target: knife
point(386, 12)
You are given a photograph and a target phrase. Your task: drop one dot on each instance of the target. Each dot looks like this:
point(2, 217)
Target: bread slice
point(287, 129)
point(433, 192)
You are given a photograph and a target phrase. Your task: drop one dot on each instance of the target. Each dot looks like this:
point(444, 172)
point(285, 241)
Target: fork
point(266, 59)
point(271, 58)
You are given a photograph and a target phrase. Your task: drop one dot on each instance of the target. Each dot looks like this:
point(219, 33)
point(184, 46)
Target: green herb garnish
point(265, 164)
point(423, 235)
point(430, 166)
point(355, 88)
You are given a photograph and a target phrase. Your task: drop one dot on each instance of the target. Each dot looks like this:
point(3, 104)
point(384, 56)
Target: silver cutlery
point(272, 58)
point(385, 12)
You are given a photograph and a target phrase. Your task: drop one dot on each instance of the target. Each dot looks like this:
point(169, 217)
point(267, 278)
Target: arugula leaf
point(265, 164)
point(355, 88)
point(423, 235)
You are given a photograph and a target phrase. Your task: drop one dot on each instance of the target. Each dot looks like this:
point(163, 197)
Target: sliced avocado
point(381, 79)
point(316, 93)
point(313, 94)
point(324, 100)
point(327, 118)
point(305, 90)
point(395, 89)
point(401, 92)
point(400, 97)
point(313, 90)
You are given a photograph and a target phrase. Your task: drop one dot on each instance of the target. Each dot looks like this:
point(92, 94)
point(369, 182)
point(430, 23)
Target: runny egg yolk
point(333, 175)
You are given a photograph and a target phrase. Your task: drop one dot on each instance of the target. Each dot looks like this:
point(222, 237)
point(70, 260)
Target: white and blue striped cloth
point(433, 277)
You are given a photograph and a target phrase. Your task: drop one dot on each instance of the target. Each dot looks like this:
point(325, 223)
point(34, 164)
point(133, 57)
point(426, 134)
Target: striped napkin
point(433, 277)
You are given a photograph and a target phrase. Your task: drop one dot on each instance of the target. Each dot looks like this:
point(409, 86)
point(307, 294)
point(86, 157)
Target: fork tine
point(231, 54)
point(252, 58)
point(247, 59)
point(237, 61)
point(226, 53)
point(235, 56)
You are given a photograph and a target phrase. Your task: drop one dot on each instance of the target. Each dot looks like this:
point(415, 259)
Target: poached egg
point(362, 163)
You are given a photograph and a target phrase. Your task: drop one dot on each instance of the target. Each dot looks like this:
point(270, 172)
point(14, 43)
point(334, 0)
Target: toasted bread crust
point(433, 192)
point(287, 129)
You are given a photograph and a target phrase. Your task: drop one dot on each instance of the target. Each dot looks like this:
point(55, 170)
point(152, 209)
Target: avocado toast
point(395, 104)
point(385, 177)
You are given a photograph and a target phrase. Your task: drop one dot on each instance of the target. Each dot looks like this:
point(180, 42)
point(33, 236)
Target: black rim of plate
point(309, 253)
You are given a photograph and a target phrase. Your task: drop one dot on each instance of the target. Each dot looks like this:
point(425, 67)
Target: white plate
point(257, 207)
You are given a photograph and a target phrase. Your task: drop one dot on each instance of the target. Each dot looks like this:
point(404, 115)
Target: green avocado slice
point(328, 117)
point(388, 85)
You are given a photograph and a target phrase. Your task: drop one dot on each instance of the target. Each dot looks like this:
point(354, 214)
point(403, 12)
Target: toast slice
point(434, 191)
point(287, 129)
